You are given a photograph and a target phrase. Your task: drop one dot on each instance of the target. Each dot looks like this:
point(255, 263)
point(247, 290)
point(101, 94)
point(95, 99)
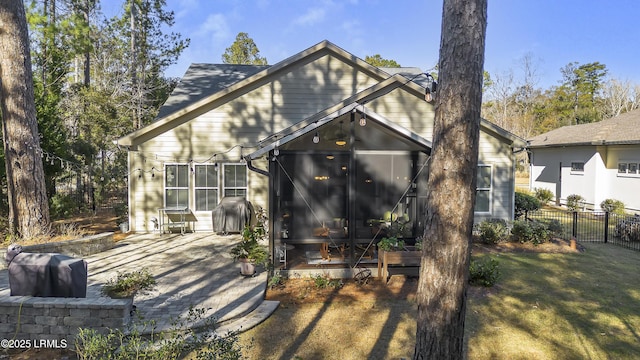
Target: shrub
point(128, 284)
point(130, 343)
point(575, 202)
point(323, 281)
point(484, 272)
point(276, 280)
point(543, 195)
point(613, 206)
point(530, 231)
point(555, 227)
point(628, 229)
point(493, 231)
point(63, 206)
point(525, 203)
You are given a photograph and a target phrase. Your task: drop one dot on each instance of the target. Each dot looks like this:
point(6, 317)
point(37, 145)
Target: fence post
point(606, 227)
point(575, 225)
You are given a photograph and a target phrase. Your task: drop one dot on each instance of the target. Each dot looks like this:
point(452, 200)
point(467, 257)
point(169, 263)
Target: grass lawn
point(546, 306)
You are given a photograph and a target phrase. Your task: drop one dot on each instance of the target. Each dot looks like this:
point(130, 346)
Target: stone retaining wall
point(76, 248)
point(40, 319)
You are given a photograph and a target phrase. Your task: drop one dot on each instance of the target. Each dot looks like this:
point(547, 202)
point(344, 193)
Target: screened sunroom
point(340, 184)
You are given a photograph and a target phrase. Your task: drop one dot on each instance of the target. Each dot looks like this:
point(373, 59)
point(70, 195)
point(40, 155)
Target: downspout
point(253, 168)
point(270, 206)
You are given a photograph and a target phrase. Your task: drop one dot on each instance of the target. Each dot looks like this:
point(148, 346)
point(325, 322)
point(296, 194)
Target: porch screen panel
point(382, 180)
point(313, 194)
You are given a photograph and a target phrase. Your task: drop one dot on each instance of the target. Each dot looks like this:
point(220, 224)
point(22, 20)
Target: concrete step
point(250, 320)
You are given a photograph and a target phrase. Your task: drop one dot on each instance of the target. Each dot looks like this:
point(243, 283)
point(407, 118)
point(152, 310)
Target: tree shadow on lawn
point(569, 306)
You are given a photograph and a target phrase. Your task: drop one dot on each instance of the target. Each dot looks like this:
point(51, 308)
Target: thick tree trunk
point(27, 197)
point(444, 270)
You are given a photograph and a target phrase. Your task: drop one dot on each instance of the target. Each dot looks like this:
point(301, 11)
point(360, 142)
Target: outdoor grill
point(232, 214)
point(46, 275)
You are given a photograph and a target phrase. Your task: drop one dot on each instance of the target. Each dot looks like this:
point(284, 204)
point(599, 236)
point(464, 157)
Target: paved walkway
point(192, 270)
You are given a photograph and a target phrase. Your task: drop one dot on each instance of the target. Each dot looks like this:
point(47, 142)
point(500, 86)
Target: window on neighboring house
point(176, 186)
point(622, 168)
point(577, 167)
point(628, 169)
point(235, 180)
point(206, 187)
point(483, 189)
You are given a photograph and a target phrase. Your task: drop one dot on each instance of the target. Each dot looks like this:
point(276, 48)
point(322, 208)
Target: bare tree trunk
point(27, 197)
point(444, 270)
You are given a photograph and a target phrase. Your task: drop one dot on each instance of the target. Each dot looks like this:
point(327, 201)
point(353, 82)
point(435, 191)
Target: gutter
point(253, 168)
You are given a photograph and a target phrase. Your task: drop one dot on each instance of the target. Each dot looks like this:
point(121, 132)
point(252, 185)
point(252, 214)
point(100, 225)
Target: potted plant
point(249, 252)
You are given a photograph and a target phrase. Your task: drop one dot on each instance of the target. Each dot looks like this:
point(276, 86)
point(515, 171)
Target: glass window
point(176, 185)
point(622, 168)
point(206, 187)
point(235, 180)
point(483, 189)
point(577, 166)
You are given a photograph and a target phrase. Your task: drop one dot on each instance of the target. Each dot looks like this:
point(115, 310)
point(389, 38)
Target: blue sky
point(553, 32)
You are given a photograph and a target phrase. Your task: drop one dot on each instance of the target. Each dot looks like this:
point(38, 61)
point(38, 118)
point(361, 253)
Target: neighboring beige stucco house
point(321, 140)
point(597, 161)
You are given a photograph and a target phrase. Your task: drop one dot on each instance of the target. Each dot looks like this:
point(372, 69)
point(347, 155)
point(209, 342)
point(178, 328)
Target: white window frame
point(628, 165)
point(576, 170)
point(178, 188)
point(224, 187)
point(486, 189)
point(216, 188)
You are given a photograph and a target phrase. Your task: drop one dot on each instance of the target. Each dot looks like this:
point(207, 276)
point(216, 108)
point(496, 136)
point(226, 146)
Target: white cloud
point(215, 26)
point(311, 17)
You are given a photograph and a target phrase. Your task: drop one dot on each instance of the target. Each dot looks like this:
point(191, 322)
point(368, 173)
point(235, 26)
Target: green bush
point(323, 281)
point(63, 206)
point(484, 272)
point(575, 202)
point(628, 229)
point(176, 343)
point(525, 203)
point(613, 206)
point(493, 231)
point(128, 284)
point(555, 227)
point(530, 231)
point(543, 195)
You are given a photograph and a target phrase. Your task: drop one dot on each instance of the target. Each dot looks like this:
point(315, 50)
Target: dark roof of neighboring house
point(202, 80)
point(623, 129)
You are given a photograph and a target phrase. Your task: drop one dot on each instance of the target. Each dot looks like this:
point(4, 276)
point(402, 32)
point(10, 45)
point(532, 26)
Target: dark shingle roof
point(202, 80)
point(622, 129)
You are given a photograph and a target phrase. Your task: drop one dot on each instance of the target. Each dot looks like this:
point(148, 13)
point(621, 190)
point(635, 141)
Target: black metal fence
point(585, 226)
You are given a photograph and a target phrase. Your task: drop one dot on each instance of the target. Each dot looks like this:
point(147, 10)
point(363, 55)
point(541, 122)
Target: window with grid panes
point(206, 187)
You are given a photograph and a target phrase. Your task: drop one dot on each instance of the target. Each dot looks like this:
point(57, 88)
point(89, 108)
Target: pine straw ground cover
point(551, 302)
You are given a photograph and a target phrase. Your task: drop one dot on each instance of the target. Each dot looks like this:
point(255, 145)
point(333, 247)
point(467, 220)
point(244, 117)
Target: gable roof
point(203, 80)
point(623, 129)
point(206, 84)
point(178, 115)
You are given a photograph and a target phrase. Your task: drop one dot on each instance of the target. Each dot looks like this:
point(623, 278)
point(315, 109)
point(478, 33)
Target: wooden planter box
point(402, 258)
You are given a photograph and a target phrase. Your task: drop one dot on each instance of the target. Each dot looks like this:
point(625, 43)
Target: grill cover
point(232, 214)
point(47, 275)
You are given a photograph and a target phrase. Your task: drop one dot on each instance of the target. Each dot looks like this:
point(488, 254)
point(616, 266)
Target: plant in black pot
point(249, 252)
